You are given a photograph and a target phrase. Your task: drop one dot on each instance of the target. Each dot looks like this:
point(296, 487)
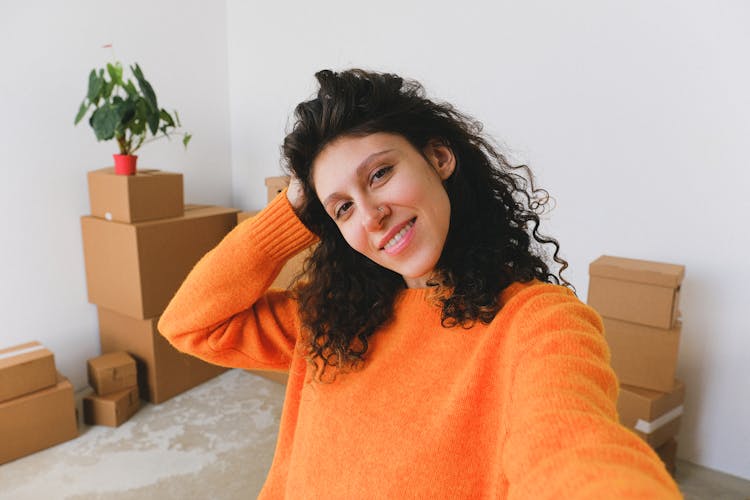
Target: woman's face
point(388, 200)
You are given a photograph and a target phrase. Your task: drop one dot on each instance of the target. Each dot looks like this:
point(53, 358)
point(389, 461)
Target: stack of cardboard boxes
point(37, 408)
point(639, 303)
point(139, 244)
point(113, 377)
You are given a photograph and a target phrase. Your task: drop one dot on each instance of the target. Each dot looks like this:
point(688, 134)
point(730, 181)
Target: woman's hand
point(294, 193)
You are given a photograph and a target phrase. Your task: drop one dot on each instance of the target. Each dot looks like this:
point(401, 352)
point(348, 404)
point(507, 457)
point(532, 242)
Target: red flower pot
point(125, 164)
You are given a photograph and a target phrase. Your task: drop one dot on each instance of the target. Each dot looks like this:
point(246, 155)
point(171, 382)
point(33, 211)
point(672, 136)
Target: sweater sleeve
point(564, 439)
point(223, 313)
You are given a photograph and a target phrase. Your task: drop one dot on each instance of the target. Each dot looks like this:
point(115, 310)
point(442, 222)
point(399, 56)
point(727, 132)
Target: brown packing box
point(37, 421)
point(163, 371)
point(668, 454)
point(276, 185)
point(290, 270)
point(653, 415)
point(112, 409)
point(135, 269)
point(25, 368)
point(112, 372)
point(147, 195)
point(643, 356)
point(637, 291)
point(243, 216)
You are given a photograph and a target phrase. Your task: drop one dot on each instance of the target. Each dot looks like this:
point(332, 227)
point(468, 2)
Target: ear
point(441, 158)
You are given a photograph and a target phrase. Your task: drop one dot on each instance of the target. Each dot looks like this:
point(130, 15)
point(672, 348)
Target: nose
point(374, 217)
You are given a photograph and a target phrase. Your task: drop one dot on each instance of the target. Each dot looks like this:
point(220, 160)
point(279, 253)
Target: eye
point(342, 209)
point(381, 173)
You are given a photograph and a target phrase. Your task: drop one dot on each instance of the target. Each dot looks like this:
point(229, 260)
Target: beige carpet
point(215, 441)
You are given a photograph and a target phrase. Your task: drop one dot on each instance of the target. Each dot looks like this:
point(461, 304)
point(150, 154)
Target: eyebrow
point(362, 166)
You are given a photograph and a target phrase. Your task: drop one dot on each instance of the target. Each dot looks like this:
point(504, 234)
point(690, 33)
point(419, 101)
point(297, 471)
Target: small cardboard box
point(147, 195)
point(668, 454)
point(163, 371)
point(643, 356)
point(25, 368)
point(135, 269)
point(37, 421)
point(637, 291)
point(112, 372)
point(112, 409)
point(655, 416)
point(276, 185)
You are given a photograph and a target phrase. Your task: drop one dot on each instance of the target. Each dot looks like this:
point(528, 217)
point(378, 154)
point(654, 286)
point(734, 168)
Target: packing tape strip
point(649, 427)
point(18, 352)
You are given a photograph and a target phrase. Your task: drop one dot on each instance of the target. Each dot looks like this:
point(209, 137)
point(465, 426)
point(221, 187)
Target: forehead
point(342, 158)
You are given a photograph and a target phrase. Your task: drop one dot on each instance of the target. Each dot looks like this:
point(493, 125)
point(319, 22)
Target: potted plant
point(126, 111)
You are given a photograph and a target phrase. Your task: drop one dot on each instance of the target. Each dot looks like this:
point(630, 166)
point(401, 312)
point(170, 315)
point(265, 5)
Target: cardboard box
point(243, 216)
point(37, 421)
point(276, 185)
point(637, 291)
point(668, 454)
point(643, 356)
point(655, 416)
point(135, 269)
point(163, 371)
point(25, 368)
point(112, 372)
point(147, 195)
point(112, 409)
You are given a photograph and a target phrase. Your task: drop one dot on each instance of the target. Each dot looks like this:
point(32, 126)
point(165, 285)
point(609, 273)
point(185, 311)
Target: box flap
point(658, 403)
point(120, 359)
point(641, 271)
point(191, 212)
point(23, 353)
point(278, 181)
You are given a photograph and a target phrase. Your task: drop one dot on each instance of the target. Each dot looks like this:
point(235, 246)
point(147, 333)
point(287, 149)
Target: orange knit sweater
point(521, 408)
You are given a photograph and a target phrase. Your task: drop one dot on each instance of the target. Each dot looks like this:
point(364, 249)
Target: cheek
point(355, 238)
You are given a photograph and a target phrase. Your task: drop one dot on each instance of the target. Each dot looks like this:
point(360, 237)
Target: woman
point(431, 351)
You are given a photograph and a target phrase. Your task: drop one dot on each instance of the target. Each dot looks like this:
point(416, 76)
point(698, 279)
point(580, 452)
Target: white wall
point(632, 114)
point(46, 51)
point(635, 115)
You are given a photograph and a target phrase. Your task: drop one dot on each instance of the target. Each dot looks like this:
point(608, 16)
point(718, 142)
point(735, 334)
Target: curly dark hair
point(493, 239)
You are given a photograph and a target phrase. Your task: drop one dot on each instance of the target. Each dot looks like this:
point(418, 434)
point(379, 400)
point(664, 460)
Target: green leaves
point(82, 111)
point(166, 118)
point(124, 111)
point(150, 96)
point(104, 121)
point(96, 83)
point(115, 72)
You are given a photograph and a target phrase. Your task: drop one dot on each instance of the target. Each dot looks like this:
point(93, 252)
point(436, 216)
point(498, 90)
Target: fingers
point(294, 192)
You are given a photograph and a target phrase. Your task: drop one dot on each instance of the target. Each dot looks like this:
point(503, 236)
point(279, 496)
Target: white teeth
point(399, 235)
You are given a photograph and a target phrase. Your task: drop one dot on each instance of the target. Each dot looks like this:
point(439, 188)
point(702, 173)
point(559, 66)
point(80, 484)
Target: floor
point(185, 448)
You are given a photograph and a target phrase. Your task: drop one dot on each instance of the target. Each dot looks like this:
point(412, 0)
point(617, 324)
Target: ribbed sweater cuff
point(278, 232)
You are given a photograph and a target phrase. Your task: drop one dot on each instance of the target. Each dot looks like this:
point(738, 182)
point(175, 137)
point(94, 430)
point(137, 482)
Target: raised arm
point(564, 439)
point(223, 312)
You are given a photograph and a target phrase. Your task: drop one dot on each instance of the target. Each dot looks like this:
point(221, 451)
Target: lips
point(396, 234)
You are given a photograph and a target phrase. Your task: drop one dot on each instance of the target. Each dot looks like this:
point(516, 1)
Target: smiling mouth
point(399, 236)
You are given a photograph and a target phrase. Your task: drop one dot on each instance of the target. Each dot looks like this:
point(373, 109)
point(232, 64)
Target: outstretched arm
point(564, 439)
